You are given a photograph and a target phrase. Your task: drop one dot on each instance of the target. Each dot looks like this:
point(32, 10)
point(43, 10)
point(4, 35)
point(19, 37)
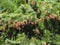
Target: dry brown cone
point(53, 16)
point(32, 23)
point(37, 31)
point(58, 19)
point(18, 23)
point(33, 2)
point(22, 23)
point(35, 23)
point(15, 25)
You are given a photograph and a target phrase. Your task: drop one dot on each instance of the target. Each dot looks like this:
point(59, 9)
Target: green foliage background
point(12, 9)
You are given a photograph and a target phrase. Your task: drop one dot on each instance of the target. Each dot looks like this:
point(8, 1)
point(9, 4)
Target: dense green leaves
point(19, 10)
